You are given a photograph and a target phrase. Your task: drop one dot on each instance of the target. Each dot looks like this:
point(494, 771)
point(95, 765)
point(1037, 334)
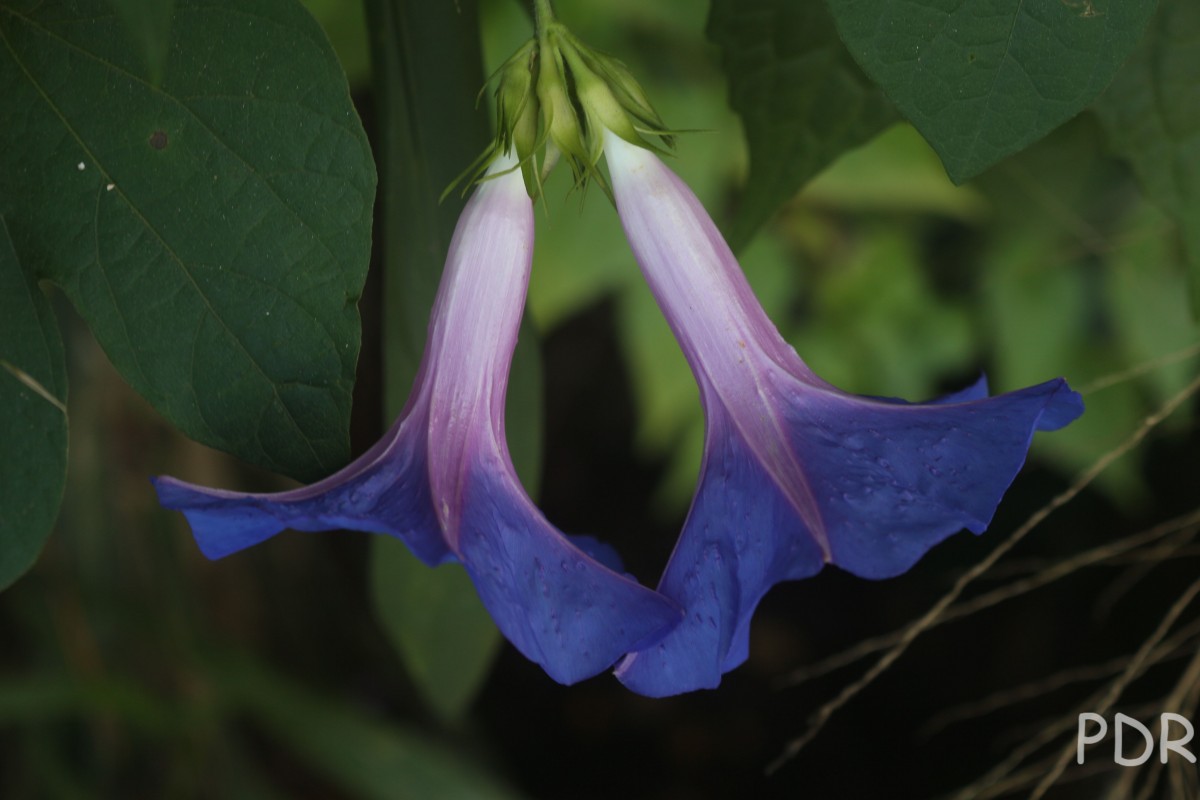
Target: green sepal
point(556, 98)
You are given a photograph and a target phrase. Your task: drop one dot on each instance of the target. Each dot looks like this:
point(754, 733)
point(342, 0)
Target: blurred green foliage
point(1151, 114)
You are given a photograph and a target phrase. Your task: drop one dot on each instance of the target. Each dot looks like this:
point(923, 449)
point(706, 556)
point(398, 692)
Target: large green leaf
point(427, 71)
point(1151, 114)
point(802, 100)
point(981, 80)
point(33, 416)
point(433, 616)
point(213, 230)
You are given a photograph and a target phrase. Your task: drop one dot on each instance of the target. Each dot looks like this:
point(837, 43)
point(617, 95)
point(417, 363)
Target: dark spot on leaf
point(970, 57)
point(158, 140)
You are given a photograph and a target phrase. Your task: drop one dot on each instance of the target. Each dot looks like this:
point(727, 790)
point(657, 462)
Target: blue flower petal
point(893, 481)
point(742, 536)
point(889, 482)
point(557, 605)
point(384, 491)
point(603, 552)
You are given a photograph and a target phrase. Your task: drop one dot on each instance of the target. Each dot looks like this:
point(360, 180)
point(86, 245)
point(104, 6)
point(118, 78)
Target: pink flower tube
point(442, 481)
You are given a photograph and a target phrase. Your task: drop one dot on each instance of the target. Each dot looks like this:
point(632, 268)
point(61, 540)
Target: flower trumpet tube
point(442, 481)
point(796, 473)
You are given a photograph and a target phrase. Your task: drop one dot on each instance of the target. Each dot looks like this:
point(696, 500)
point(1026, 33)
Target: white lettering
point(1123, 720)
point(1083, 738)
point(1165, 742)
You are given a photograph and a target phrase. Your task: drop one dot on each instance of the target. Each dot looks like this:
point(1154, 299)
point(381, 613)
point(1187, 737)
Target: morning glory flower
point(441, 480)
point(796, 473)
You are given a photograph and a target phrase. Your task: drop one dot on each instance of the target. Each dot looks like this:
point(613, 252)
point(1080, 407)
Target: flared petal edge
point(890, 481)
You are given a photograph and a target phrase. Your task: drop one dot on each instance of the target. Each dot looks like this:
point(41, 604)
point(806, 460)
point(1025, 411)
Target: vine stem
point(543, 15)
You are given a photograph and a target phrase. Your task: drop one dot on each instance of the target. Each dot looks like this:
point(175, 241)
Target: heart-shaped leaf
point(981, 80)
point(212, 229)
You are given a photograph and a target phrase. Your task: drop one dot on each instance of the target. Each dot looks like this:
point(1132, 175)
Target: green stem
point(543, 15)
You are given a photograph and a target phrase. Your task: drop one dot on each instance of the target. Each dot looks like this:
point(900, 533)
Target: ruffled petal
point(742, 536)
point(888, 481)
point(559, 606)
point(891, 481)
point(386, 490)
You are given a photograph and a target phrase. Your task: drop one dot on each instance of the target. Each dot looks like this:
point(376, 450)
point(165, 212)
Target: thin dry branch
point(1051, 573)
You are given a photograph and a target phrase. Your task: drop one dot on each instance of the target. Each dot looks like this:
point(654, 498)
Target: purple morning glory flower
point(796, 473)
point(441, 480)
